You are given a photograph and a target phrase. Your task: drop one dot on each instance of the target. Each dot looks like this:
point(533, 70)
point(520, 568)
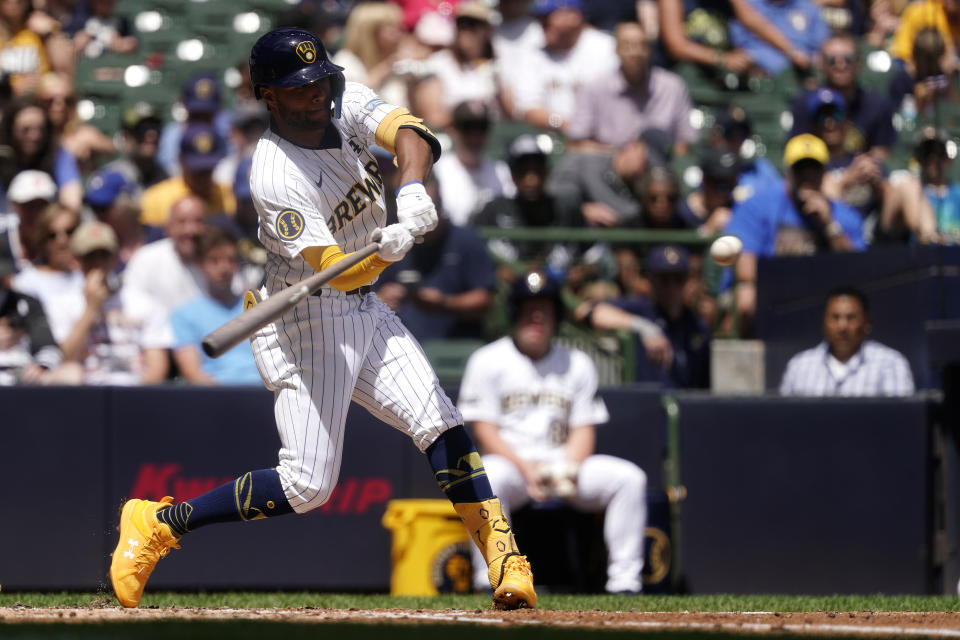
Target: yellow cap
point(805, 146)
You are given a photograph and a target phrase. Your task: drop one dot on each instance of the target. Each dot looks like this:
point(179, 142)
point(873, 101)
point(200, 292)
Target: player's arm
point(356, 276)
point(581, 443)
point(416, 149)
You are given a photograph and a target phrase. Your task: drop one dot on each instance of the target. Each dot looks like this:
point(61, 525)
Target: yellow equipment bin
point(430, 553)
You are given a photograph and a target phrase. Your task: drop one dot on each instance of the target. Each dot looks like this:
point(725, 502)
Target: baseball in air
point(725, 250)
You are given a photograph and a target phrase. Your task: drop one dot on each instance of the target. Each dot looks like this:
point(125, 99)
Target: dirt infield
point(860, 623)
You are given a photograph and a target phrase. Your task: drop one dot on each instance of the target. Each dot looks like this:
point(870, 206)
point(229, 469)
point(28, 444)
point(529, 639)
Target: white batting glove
point(395, 241)
point(415, 209)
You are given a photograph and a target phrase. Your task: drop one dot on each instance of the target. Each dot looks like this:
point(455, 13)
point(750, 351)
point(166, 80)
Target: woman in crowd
point(27, 136)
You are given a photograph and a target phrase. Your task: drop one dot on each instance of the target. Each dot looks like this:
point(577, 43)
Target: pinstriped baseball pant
point(323, 354)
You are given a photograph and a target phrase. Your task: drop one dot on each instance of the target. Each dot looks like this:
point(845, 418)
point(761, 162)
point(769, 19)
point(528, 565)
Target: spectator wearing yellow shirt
point(200, 152)
point(22, 53)
point(943, 15)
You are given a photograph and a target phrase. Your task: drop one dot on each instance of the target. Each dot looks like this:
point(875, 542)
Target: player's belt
point(359, 291)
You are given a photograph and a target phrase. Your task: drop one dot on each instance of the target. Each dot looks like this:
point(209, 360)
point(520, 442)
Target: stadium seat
point(449, 357)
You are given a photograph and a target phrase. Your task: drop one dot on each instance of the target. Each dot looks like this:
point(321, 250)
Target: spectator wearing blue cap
point(113, 199)
point(544, 82)
point(200, 152)
point(617, 107)
point(870, 113)
point(798, 20)
point(201, 100)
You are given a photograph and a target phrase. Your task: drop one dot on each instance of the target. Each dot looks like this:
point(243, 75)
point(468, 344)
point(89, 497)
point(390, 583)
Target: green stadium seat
point(449, 357)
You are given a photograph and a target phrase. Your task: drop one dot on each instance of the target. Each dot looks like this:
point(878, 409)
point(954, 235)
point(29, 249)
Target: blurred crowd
point(121, 251)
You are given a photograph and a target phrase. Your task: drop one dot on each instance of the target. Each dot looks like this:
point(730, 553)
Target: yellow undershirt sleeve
point(356, 276)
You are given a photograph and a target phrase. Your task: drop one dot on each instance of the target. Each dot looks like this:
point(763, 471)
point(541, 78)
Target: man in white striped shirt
point(846, 363)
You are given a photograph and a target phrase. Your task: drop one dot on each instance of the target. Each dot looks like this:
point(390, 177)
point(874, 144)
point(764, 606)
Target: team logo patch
point(203, 143)
point(289, 224)
point(373, 104)
point(307, 52)
point(204, 88)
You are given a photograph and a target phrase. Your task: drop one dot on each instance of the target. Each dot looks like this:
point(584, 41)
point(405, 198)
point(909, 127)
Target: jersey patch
point(289, 224)
point(373, 104)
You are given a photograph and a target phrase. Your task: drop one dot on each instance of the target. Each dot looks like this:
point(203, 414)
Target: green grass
point(721, 602)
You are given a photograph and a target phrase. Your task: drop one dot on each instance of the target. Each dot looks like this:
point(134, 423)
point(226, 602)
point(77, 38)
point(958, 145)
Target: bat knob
point(376, 236)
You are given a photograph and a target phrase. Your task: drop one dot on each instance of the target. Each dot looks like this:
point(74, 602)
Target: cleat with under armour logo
point(515, 590)
point(143, 541)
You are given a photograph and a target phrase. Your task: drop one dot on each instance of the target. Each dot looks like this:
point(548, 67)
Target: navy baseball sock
point(457, 467)
point(254, 495)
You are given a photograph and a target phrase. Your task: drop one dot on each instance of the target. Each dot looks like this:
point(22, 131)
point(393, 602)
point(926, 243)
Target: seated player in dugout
point(318, 192)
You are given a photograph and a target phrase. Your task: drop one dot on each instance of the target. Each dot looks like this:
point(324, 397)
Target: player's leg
point(509, 486)
point(298, 364)
point(398, 385)
point(620, 488)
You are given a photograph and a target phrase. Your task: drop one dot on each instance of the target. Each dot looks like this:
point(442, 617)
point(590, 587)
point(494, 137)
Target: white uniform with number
point(535, 404)
point(333, 347)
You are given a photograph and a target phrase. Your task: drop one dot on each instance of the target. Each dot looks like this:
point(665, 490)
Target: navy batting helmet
point(536, 284)
point(291, 57)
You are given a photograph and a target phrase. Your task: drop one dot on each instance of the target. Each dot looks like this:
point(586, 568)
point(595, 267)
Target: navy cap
point(668, 258)
point(546, 7)
point(200, 148)
point(201, 94)
point(734, 119)
point(105, 187)
point(720, 166)
point(825, 97)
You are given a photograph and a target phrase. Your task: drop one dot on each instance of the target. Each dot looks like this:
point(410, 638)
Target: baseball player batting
point(534, 406)
point(319, 196)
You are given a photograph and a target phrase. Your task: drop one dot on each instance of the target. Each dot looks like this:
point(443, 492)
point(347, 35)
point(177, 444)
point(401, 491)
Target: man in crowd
point(443, 289)
point(546, 80)
point(166, 270)
point(533, 406)
point(616, 108)
point(793, 218)
point(531, 207)
point(219, 262)
point(468, 177)
point(30, 193)
point(119, 336)
point(870, 113)
point(200, 151)
point(846, 363)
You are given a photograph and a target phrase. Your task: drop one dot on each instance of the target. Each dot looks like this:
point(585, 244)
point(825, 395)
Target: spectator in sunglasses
point(468, 177)
point(870, 113)
point(54, 269)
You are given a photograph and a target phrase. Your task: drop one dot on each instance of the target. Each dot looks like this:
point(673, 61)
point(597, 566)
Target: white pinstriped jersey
point(319, 197)
point(535, 403)
point(875, 370)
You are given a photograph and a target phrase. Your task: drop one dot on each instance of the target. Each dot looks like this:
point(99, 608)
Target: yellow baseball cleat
point(515, 590)
point(143, 541)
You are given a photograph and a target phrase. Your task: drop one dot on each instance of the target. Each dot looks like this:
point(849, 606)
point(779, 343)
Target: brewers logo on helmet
point(291, 57)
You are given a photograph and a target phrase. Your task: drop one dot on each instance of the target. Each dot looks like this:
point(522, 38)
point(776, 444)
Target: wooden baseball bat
point(231, 333)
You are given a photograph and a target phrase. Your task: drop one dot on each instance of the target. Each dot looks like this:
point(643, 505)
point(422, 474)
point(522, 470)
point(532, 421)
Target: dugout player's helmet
point(291, 57)
point(536, 284)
